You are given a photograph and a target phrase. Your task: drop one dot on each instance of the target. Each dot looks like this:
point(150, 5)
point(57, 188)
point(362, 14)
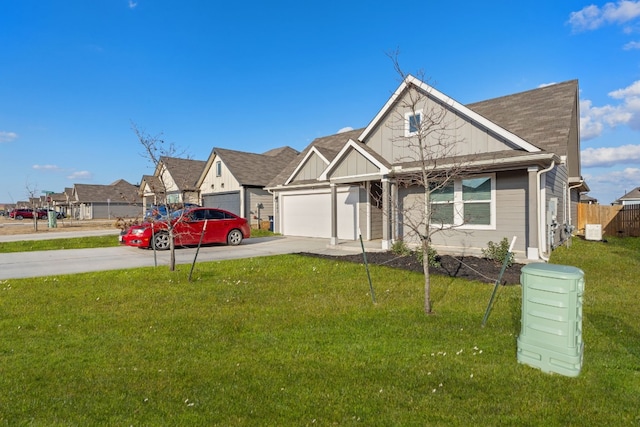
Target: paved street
point(47, 263)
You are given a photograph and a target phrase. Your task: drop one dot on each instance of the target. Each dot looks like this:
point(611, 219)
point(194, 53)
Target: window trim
point(219, 168)
point(459, 204)
point(407, 122)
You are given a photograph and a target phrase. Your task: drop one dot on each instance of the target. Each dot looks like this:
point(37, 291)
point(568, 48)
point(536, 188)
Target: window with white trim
point(218, 168)
point(465, 203)
point(412, 121)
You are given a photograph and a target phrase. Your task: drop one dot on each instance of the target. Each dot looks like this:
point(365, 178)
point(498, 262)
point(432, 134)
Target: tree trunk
point(172, 250)
point(427, 277)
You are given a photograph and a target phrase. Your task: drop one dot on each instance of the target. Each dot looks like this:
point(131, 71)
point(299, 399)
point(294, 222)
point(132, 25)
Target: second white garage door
point(309, 213)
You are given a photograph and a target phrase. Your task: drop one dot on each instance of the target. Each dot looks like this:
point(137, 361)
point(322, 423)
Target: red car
point(26, 213)
point(188, 228)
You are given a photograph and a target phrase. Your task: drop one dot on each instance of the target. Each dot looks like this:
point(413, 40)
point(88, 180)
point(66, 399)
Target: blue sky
point(256, 75)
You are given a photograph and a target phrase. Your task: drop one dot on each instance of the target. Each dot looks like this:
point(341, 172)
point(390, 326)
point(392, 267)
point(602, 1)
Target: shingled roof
point(328, 146)
point(631, 195)
point(542, 117)
point(119, 192)
point(184, 172)
point(251, 169)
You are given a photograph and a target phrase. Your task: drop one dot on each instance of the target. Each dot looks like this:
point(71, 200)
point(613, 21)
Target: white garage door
point(309, 214)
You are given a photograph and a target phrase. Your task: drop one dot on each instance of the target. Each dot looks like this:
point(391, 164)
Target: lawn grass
point(62, 243)
point(292, 340)
point(80, 243)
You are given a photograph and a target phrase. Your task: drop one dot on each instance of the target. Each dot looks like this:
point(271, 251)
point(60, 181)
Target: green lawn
point(79, 243)
point(290, 340)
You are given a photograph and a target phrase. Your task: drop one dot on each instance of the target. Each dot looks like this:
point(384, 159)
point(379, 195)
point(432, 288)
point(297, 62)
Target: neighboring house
point(235, 181)
point(117, 200)
point(588, 200)
point(174, 181)
point(521, 154)
point(631, 198)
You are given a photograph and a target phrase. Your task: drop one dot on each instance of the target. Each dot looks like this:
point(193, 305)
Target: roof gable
point(355, 160)
point(431, 93)
point(183, 172)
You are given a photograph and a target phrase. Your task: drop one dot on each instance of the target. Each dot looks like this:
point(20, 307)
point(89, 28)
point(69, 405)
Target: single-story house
point(235, 180)
point(508, 166)
point(117, 200)
point(631, 198)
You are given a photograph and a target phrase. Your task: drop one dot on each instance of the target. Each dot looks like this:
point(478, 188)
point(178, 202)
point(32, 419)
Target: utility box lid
point(553, 270)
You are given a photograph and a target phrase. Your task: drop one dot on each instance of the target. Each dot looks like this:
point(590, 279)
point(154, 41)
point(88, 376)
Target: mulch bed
point(471, 268)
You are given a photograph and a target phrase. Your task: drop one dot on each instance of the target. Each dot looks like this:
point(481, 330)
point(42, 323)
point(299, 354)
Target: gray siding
point(253, 196)
point(511, 217)
point(461, 136)
point(353, 164)
point(311, 169)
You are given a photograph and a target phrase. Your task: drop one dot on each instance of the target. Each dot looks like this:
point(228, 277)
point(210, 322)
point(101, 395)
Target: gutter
point(538, 213)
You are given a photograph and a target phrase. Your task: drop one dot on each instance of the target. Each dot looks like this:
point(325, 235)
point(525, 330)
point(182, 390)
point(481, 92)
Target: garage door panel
point(309, 214)
point(227, 201)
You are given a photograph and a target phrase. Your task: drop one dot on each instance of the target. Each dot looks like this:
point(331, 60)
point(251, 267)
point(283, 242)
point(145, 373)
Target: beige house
point(235, 180)
point(173, 181)
point(518, 167)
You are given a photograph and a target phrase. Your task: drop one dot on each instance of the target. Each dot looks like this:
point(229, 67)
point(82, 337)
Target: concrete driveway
point(49, 263)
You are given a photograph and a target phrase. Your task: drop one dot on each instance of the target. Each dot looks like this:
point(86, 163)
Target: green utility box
point(53, 219)
point(551, 334)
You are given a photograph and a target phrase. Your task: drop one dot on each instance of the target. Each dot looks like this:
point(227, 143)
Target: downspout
point(541, 227)
point(569, 195)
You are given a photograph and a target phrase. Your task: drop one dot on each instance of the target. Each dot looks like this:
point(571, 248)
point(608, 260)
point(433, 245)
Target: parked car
point(160, 211)
point(188, 229)
point(26, 213)
point(59, 215)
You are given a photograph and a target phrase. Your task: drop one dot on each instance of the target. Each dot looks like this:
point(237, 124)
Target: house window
point(218, 168)
point(412, 122)
point(465, 203)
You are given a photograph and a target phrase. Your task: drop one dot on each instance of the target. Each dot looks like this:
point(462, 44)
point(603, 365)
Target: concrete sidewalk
point(48, 263)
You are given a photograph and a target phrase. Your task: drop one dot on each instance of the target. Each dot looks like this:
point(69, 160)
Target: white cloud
point(628, 178)
point(631, 46)
point(345, 129)
point(7, 136)
point(592, 17)
point(132, 4)
point(593, 120)
point(52, 168)
point(608, 156)
point(80, 175)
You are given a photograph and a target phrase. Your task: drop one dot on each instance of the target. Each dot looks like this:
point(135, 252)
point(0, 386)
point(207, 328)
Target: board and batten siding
point(224, 183)
point(254, 196)
point(511, 219)
point(312, 169)
point(388, 138)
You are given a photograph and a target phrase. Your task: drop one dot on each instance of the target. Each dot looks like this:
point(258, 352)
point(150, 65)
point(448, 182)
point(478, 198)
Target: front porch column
point(334, 215)
point(387, 213)
point(532, 215)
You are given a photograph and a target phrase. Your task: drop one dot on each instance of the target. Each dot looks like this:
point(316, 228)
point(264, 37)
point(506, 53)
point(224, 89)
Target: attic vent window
point(412, 122)
point(218, 168)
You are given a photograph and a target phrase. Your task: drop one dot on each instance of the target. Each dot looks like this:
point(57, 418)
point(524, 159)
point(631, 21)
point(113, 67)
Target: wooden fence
point(623, 221)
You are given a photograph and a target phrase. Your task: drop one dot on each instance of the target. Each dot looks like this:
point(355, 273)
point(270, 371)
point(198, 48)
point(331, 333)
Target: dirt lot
point(10, 226)
point(472, 268)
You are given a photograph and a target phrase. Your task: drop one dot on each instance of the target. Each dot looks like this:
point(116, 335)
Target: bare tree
point(155, 148)
point(32, 194)
point(425, 130)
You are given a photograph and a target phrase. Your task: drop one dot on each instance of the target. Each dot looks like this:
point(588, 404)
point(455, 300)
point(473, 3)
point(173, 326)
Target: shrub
point(498, 251)
point(400, 248)
point(434, 258)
